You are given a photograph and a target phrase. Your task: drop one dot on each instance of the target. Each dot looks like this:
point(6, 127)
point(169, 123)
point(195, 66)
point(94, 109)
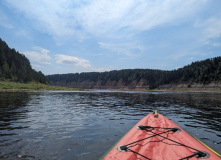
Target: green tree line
point(16, 67)
point(204, 72)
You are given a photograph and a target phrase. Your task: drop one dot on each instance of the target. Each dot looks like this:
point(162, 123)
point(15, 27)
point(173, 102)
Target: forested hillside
point(16, 67)
point(203, 72)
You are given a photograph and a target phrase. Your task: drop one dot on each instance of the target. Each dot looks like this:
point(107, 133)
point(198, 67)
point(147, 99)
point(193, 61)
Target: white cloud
point(78, 62)
point(39, 55)
point(64, 59)
point(108, 17)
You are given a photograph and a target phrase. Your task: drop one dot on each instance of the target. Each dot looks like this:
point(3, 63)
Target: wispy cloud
point(39, 55)
point(210, 29)
point(216, 44)
point(4, 21)
point(62, 19)
point(120, 17)
point(23, 33)
point(52, 17)
point(131, 50)
point(186, 55)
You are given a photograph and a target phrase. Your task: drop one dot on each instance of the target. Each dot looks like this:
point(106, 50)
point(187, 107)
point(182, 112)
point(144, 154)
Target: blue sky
point(69, 36)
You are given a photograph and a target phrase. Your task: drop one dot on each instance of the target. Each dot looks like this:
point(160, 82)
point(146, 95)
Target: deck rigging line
point(149, 129)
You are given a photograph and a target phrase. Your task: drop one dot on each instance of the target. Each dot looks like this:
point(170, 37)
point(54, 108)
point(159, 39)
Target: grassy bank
point(7, 85)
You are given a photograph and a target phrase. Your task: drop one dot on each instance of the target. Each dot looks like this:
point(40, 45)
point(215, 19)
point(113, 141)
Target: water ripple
point(83, 125)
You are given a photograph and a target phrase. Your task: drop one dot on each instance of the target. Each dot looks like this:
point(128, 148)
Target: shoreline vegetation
point(7, 86)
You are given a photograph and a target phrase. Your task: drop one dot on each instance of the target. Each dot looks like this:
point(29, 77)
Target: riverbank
point(142, 85)
point(7, 86)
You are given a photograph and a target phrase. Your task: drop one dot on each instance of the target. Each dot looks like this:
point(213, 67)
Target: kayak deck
point(157, 138)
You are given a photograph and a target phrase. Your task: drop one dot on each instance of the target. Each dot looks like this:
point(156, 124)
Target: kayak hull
point(157, 138)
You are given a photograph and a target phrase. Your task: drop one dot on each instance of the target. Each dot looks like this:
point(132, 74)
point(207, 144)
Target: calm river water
point(83, 125)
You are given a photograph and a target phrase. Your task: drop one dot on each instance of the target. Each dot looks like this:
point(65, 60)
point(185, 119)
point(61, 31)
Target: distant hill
point(200, 72)
point(16, 67)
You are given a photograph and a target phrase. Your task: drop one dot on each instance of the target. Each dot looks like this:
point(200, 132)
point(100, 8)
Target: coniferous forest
point(16, 67)
point(203, 72)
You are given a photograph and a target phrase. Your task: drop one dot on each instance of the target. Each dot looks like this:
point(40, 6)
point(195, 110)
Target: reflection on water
point(83, 125)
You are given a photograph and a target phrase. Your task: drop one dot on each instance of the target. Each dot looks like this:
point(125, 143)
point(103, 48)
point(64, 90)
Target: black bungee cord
point(125, 148)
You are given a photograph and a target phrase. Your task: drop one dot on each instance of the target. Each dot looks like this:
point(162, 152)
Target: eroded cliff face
point(134, 85)
point(141, 85)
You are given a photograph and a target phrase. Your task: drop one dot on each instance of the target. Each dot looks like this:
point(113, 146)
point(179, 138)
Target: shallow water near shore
point(85, 124)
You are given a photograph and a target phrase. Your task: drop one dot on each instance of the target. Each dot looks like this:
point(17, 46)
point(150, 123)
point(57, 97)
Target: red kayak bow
point(157, 138)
